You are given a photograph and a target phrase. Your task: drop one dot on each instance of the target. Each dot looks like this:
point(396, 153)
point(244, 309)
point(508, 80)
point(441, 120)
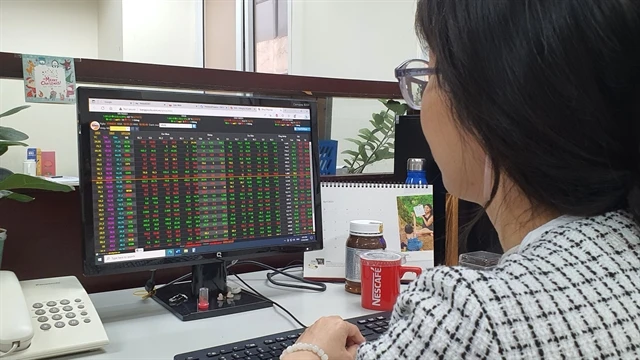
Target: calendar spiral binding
point(373, 185)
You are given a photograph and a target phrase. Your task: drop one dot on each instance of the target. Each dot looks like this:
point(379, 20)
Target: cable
point(14, 347)
point(150, 289)
point(311, 285)
point(257, 293)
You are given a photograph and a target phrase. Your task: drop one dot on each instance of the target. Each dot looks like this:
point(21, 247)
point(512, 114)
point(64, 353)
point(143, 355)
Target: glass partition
point(364, 129)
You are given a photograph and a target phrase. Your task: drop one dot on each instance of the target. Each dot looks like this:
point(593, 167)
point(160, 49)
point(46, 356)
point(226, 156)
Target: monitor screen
point(171, 178)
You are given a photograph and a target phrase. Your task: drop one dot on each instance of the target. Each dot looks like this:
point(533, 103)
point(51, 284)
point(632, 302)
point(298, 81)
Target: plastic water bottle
point(415, 171)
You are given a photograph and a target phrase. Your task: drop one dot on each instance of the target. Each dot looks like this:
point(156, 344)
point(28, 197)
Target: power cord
point(311, 285)
point(14, 347)
point(258, 294)
point(150, 286)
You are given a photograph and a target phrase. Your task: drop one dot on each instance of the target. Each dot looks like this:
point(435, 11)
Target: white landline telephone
point(46, 317)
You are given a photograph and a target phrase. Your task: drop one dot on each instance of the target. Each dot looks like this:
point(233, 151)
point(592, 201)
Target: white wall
point(354, 39)
point(165, 32)
point(151, 31)
point(26, 26)
point(110, 31)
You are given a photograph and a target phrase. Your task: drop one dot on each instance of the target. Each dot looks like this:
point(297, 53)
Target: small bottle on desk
point(203, 299)
point(416, 173)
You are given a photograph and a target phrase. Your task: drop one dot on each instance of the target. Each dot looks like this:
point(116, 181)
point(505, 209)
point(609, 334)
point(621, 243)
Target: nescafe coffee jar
point(364, 235)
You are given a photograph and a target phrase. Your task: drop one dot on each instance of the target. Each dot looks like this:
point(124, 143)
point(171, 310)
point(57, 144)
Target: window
point(271, 30)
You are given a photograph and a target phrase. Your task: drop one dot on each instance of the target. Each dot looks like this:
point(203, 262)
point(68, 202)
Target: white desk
point(140, 329)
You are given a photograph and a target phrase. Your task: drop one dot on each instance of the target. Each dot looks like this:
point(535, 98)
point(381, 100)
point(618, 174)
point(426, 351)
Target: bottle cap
point(366, 227)
point(415, 164)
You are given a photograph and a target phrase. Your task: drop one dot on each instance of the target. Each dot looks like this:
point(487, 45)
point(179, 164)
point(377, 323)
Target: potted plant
point(10, 181)
point(377, 142)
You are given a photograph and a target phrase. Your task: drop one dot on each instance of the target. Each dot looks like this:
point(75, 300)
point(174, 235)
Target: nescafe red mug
point(380, 274)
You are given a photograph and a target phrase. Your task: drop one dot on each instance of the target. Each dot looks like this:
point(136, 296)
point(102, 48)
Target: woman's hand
point(338, 338)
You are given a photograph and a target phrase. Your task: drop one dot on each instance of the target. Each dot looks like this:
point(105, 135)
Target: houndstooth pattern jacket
point(573, 292)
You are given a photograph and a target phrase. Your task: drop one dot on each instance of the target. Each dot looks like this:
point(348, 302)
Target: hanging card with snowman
point(49, 79)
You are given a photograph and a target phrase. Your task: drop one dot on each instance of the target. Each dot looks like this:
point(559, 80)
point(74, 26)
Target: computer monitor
point(172, 179)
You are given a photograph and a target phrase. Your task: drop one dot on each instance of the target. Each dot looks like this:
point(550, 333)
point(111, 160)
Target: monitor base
point(221, 301)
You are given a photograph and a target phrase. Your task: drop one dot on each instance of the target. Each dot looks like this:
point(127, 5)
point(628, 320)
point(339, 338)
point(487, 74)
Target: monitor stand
point(214, 277)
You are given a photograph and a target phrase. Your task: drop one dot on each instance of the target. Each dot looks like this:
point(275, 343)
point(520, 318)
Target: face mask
point(488, 177)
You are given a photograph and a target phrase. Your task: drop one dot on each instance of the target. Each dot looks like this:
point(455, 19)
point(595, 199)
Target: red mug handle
point(410, 269)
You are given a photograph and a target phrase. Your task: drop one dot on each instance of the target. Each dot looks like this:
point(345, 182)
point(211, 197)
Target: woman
point(532, 109)
point(427, 218)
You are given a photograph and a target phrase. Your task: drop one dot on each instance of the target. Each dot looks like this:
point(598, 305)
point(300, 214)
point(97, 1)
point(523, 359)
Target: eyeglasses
point(413, 76)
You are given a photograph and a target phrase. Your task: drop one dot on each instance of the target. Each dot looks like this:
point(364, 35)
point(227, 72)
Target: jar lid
point(366, 227)
point(415, 164)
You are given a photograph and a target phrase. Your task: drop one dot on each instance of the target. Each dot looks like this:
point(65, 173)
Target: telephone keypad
point(59, 313)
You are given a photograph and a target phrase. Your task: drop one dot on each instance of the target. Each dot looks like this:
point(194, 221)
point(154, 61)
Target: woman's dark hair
point(551, 89)
point(430, 210)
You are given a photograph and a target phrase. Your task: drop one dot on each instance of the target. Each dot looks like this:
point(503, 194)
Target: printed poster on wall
point(49, 79)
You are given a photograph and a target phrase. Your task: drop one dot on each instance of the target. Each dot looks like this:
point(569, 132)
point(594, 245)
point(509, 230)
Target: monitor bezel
point(84, 161)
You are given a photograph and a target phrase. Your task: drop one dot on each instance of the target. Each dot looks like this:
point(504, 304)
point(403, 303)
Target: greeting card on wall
point(49, 79)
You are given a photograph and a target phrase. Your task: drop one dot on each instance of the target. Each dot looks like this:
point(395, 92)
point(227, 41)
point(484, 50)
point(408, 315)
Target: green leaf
point(348, 162)
point(12, 143)
point(384, 154)
point(390, 117)
point(3, 149)
point(371, 139)
point(391, 145)
point(375, 126)
point(10, 134)
point(14, 110)
point(21, 181)
point(378, 118)
point(355, 141)
point(365, 132)
point(18, 197)
point(396, 107)
point(351, 152)
point(362, 150)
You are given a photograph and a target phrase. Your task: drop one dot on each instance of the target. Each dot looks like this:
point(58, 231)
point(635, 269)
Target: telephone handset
point(46, 317)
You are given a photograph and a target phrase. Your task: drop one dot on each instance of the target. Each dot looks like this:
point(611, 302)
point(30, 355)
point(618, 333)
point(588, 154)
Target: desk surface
point(140, 329)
